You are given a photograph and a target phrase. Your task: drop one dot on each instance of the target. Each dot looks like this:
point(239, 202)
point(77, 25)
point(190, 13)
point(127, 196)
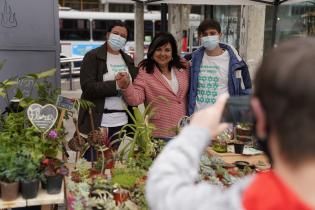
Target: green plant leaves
point(41, 75)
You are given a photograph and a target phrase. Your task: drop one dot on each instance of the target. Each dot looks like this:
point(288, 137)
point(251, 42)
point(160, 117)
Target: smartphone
point(238, 110)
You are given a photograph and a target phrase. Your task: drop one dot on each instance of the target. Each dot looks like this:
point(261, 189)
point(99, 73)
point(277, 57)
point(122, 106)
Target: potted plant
point(81, 173)
point(219, 144)
point(244, 129)
point(239, 147)
point(54, 171)
point(29, 163)
point(9, 175)
point(138, 143)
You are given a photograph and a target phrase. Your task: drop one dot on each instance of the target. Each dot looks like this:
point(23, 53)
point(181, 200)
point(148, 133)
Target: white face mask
point(116, 42)
point(210, 42)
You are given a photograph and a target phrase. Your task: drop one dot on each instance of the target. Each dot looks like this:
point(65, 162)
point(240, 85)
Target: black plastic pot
point(238, 148)
point(54, 184)
point(29, 189)
point(43, 184)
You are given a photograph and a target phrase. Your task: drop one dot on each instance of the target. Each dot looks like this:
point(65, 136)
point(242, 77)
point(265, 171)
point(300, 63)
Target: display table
point(230, 157)
point(43, 199)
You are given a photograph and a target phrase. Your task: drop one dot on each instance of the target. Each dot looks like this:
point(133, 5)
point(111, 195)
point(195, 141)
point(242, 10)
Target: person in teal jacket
point(216, 68)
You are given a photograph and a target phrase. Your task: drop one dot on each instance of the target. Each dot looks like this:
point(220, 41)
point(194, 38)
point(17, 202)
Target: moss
point(126, 178)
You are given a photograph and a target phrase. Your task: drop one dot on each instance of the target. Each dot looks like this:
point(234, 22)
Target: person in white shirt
point(216, 68)
point(97, 78)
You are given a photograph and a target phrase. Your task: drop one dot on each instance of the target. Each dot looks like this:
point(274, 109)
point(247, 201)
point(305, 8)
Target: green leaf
point(2, 92)
point(18, 94)
point(10, 82)
point(32, 75)
point(45, 74)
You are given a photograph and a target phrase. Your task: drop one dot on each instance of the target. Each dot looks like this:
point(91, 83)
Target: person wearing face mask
point(283, 105)
point(97, 78)
point(216, 68)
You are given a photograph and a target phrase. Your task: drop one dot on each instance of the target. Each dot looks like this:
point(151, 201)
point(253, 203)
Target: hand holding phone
point(238, 110)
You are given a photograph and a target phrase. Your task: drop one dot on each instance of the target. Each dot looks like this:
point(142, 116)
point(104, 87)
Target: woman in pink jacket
point(163, 81)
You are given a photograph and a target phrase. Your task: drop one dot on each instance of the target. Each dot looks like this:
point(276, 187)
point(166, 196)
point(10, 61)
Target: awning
point(225, 2)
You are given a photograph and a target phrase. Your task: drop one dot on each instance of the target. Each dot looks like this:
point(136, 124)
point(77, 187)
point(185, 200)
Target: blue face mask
point(210, 42)
point(116, 42)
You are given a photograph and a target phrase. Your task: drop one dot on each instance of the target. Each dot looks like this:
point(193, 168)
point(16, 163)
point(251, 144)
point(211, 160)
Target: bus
point(81, 31)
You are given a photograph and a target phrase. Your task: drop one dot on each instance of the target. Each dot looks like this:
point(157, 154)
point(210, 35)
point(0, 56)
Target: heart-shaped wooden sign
point(42, 117)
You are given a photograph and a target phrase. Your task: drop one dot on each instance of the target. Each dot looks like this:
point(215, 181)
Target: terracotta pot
point(29, 189)
point(94, 172)
point(75, 177)
point(9, 191)
point(120, 195)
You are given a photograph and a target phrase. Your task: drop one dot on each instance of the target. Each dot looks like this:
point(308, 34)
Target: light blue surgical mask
point(210, 42)
point(116, 42)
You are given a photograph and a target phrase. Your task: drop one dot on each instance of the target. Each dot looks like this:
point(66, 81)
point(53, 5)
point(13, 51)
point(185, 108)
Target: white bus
point(83, 31)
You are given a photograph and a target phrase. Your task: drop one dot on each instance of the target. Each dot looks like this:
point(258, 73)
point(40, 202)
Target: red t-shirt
point(268, 192)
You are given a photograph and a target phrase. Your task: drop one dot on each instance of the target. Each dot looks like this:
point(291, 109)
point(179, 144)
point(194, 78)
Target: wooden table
point(43, 199)
point(230, 157)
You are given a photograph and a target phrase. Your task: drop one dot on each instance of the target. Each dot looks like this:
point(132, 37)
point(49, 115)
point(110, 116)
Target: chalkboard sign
point(42, 117)
point(65, 103)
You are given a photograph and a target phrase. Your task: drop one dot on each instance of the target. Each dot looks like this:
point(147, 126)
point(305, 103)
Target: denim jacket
point(237, 66)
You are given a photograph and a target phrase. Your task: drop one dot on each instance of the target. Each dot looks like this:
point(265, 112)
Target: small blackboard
point(65, 103)
point(42, 117)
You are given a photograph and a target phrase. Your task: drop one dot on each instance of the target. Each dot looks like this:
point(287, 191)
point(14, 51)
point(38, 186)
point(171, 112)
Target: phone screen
point(238, 110)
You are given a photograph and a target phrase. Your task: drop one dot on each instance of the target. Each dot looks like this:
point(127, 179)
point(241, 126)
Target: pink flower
point(52, 134)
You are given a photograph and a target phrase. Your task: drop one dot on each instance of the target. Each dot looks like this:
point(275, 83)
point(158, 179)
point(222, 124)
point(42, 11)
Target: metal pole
point(139, 31)
point(70, 75)
point(274, 23)
point(163, 17)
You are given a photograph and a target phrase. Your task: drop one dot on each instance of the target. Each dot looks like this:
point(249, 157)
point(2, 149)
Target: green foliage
point(28, 165)
point(127, 177)
point(9, 170)
point(84, 104)
point(22, 146)
point(138, 196)
point(83, 169)
point(141, 145)
point(46, 93)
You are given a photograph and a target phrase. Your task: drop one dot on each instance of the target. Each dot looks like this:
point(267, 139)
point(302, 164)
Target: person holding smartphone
point(283, 105)
point(216, 68)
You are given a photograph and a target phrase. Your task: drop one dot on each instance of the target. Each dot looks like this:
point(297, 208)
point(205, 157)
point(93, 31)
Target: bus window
point(148, 29)
point(130, 24)
point(73, 29)
point(100, 28)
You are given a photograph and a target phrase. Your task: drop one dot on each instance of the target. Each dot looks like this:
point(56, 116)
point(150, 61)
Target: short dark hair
point(158, 41)
point(209, 24)
point(285, 84)
point(118, 23)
